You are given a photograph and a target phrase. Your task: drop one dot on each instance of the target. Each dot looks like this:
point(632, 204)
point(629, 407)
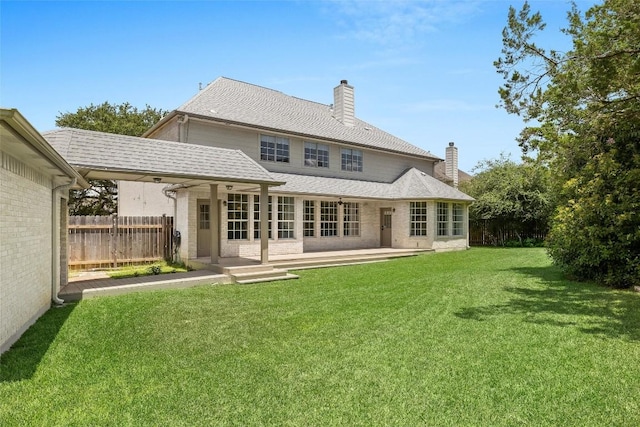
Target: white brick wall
point(25, 250)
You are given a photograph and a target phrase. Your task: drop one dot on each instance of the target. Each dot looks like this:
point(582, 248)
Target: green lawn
point(483, 337)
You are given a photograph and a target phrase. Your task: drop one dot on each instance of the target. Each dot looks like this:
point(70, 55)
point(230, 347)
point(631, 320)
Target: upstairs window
point(316, 155)
point(274, 149)
point(351, 160)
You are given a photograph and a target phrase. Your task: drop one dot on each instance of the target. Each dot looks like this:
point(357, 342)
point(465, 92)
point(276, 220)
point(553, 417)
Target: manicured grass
point(475, 338)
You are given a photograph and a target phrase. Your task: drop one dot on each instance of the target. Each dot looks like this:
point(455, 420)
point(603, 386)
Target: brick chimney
point(343, 103)
point(451, 163)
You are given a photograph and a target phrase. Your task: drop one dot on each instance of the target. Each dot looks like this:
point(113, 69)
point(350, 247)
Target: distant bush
point(525, 243)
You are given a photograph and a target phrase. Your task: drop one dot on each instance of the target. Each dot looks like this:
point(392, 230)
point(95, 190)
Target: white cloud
point(394, 22)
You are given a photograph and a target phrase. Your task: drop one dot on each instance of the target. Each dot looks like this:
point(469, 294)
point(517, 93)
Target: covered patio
point(229, 270)
point(100, 155)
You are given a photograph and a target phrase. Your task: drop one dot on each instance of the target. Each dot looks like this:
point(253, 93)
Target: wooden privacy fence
point(481, 233)
point(111, 241)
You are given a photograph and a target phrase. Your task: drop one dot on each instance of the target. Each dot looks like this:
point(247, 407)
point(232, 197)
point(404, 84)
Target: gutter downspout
point(182, 128)
point(55, 243)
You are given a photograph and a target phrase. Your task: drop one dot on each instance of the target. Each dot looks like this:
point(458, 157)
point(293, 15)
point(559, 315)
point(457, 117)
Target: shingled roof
point(128, 157)
point(231, 101)
point(411, 185)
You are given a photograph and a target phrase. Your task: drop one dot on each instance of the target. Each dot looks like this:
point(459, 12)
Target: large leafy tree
point(124, 119)
point(584, 107)
point(510, 198)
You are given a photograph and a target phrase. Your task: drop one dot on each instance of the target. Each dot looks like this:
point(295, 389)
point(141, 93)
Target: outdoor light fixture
point(157, 179)
point(340, 201)
point(229, 187)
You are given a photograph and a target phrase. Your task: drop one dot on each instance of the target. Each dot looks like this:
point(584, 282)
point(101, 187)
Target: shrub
point(155, 269)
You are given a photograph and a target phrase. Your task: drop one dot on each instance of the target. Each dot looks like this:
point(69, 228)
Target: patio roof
point(101, 155)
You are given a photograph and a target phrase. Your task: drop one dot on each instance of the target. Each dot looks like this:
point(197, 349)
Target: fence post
point(114, 239)
point(164, 240)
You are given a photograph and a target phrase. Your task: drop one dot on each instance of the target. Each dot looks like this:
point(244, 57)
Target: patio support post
point(214, 222)
point(264, 223)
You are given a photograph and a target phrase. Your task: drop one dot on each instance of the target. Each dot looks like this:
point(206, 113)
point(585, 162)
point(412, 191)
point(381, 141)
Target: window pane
point(274, 149)
point(286, 217)
point(256, 217)
point(237, 216)
point(458, 219)
point(351, 160)
point(351, 223)
point(328, 219)
point(316, 155)
point(323, 156)
point(309, 218)
point(443, 219)
point(418, 218)
point(204, 217)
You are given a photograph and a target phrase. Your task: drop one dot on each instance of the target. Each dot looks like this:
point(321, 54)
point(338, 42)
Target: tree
point(510, 198)
point(123, 119)
point(586, 105)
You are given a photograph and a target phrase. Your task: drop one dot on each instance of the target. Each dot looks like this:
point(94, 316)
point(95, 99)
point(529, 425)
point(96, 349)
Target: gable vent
point(343, 101)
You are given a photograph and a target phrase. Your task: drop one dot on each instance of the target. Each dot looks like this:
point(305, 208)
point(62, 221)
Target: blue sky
point(422, 70)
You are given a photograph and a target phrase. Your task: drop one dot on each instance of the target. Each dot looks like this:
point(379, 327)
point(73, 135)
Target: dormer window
point(274, 149)
point(316, 155)
point(351, 160)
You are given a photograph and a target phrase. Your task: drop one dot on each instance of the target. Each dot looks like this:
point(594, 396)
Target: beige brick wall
point(25, 250)
point(369, 230)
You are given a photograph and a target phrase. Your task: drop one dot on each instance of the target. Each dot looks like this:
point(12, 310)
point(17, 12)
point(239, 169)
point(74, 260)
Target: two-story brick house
point(347, 184)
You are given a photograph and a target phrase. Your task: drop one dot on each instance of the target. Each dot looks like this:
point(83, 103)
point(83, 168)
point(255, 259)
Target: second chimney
point(451, 163)
point(343, 103)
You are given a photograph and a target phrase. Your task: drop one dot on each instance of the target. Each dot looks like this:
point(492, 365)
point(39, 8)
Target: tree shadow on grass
point(556, 301)
point(21, 361)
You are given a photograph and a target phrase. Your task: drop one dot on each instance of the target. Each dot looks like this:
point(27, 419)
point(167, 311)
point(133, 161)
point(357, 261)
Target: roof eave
point(21, 125)
point(178, 175)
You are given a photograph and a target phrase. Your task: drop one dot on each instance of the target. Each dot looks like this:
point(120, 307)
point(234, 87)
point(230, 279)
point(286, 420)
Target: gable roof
point(104, 155)
point(411, 185)
point(231, 101)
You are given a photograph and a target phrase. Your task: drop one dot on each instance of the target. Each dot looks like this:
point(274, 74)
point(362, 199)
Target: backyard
point(480, 337)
